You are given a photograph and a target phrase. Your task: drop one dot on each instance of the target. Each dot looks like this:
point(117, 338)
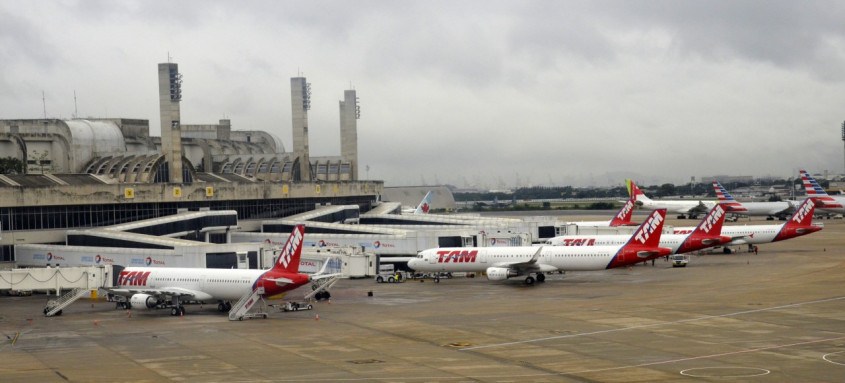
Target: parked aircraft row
point(598, 252)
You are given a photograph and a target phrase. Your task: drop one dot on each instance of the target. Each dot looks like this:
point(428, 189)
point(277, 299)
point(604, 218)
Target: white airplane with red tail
point(161, 287)
point(706, 234)
point(801, 223)
point(532, 262)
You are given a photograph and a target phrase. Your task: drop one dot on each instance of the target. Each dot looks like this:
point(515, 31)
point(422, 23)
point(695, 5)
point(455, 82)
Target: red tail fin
point(648, 234)
point(803, 216)
point(712, 223)
point(288, 258)
point(623, 217)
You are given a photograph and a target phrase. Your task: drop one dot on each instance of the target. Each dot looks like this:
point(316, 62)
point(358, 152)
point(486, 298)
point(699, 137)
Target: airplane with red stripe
point(163, 287)
point(770, 210)
point(532, 262)
point(706, 234)
point(800, 224)
point(824, 201)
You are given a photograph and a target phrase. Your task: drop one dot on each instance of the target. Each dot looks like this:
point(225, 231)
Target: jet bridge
point(79, 280)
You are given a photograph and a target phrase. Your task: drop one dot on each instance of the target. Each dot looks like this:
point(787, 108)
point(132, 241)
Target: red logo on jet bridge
point(456, 256)
point(625, 209)
point(712, 218)
point(648, 228)
point(133, 278)
point(578, 242)
point(805, 209)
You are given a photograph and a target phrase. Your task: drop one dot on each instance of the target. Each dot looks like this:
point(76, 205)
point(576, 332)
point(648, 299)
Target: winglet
point(648, 234)
point(289, 256)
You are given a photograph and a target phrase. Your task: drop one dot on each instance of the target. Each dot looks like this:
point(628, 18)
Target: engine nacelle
point(500, 273)
point(143, 301)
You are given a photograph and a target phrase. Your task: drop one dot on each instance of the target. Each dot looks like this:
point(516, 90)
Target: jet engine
point(500, 273)
point(143, 301)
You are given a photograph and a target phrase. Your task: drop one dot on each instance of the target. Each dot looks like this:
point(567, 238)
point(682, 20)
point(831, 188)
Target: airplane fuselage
point(207, 284)
point(671, 241)
point(478, 259)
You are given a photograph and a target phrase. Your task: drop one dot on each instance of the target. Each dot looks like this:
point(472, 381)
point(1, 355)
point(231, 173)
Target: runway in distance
point(532, 262)
point(825, 202)
point(684, 209)
point(770, 210)
point(162, 287)
point(801, 223)
point(706, 234)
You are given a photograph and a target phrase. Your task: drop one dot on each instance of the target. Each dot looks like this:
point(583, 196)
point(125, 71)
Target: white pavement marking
point(649, 325)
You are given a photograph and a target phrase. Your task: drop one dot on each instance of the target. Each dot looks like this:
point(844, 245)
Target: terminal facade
point(87, 173)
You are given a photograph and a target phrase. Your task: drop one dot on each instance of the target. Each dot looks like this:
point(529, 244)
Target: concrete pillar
point(300, 97)
point(169, 96)
point(349, 114)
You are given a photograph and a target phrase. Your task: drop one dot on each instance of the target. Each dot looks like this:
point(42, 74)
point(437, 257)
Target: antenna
point(168, 57)
point(75, 110)
point(44, 104)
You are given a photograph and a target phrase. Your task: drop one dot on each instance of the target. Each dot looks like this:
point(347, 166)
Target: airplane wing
point(529, 266)
point(161, 292)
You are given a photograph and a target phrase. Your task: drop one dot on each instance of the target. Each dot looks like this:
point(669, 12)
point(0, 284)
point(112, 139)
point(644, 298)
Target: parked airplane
point(770, 210)
point(828, 203)
point(152, 287)
point(501, 263)
point(801, 223)
point(622, 217)
point(684, 209)
point(422, 208)
point(706, 234)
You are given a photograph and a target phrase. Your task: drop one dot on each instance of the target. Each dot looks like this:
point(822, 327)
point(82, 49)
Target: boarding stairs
point(240, 310)
point(55, 306)
point(322, 285)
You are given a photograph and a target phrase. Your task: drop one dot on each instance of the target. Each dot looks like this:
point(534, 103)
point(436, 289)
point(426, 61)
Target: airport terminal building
point(89, 173)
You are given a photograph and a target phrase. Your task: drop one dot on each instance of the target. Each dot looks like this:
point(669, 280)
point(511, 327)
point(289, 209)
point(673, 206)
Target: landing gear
point(541, 277)
point(529, 280)
point(726, 250)
point(177, 311)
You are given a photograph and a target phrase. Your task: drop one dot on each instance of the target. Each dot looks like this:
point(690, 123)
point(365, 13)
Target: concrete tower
point(169, 96)
point(350, 112)
point(300, 97)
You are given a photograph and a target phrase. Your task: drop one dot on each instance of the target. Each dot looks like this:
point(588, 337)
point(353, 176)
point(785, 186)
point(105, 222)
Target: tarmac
point(778, 316)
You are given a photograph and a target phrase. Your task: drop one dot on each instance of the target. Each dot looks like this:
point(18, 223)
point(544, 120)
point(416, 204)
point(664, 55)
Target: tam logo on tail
point(805, 209)
point(292, 245)
point(626, 210)
point(648, 228)
point(712, 219)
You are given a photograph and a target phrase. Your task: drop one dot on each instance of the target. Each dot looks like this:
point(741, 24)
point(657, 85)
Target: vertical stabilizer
point(288, 257)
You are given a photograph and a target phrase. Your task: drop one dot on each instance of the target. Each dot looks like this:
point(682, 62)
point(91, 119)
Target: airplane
point(501, 263)
point(684, 209)
point(422, 208)
point(828, 203)
point(150, 287)
point(706, 234)
point(801, 223)
point(622, 217)
point(770, 210)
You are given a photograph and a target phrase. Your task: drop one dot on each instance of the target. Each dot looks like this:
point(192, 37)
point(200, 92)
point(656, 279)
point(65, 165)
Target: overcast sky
point(473, 93)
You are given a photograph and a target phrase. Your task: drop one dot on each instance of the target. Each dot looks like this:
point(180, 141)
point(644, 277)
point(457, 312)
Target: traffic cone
point(96, 322)
point(129, 313)
point(317, 317)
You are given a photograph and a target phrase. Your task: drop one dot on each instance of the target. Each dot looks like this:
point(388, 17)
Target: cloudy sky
point(473, 93)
